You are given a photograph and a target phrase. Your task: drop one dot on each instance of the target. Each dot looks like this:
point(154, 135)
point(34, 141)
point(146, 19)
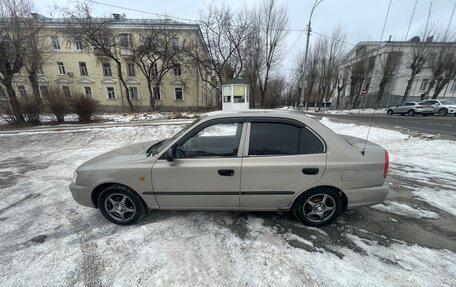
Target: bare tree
point(15, 18)
point(96, 35)
point(389, 63)
point(359, 71)
point(157, 53)
point(39, 51)
point(271, 23)
point(223, 54)
point(442, 64)
point(341, 84)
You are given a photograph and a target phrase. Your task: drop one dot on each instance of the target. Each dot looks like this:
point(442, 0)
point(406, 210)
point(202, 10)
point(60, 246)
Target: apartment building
point(364, 69)
point(76, 70)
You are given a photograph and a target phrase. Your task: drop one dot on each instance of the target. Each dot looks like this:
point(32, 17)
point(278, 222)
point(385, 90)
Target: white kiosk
point(235, 95)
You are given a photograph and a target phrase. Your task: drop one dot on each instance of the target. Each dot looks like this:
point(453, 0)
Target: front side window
point(218, 140)
point(131, 71)
point(83, 69)
point(282, 139)
point(61, 68)
point(111, 93)
point(107, 72)
point(178, 95)
point(55, 43)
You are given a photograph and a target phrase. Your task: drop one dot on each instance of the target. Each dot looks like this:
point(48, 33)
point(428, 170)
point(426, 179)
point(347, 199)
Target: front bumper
point(366, 196)
point(81, 194)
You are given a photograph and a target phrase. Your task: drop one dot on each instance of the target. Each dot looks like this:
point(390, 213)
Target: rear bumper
point(81, 194)
point(366, 196)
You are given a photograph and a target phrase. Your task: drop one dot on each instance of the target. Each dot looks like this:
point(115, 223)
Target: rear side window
point(282, 139)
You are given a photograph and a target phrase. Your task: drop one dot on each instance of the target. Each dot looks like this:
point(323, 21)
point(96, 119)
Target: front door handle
point(226, 172)
point(310, 171)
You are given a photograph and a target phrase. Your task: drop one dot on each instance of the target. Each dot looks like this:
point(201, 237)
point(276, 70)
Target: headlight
point(75, 176)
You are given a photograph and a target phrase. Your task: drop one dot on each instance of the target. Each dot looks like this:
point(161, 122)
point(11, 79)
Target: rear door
point(206, 172)
point(281, 158)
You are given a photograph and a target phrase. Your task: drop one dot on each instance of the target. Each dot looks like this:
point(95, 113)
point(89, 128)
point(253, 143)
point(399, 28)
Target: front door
point(282, 159)
point(206, 170)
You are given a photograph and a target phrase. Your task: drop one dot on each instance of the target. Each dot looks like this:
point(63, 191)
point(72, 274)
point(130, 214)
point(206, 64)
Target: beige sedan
point(253, 160)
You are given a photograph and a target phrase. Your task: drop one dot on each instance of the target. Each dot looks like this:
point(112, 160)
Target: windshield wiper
point(153, 147)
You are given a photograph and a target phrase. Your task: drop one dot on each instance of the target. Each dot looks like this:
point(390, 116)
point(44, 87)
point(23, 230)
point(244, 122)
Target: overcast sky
point(361, 19)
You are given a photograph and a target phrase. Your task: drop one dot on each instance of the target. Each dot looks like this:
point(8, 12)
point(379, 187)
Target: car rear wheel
point(411, 113)
point(443, 112)
point(389, 112)
point(318, 207)
point(121, 205)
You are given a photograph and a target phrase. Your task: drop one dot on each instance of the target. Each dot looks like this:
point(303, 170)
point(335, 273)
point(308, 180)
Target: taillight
point(387, 162)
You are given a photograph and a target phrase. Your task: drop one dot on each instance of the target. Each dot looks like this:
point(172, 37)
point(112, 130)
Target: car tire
point(411, 113)
point(443, 112)
point(121, 205)
point(390, 112)
point(318, 207)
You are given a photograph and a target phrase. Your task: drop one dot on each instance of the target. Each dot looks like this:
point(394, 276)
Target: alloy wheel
point(319, 207)
point(120, 207)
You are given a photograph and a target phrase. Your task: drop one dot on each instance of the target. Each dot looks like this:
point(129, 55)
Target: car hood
point(129, 153)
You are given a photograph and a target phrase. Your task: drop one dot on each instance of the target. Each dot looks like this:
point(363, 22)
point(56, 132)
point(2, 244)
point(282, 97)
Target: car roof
point(254, 113)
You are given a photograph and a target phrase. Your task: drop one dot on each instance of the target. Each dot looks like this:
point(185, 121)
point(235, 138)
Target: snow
point(405, 210)
point(201, 248)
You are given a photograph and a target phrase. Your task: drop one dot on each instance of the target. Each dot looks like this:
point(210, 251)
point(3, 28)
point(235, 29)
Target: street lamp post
point(304, 68)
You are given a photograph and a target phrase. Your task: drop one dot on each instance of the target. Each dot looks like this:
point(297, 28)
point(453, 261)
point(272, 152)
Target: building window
point(175, 43)
point(424, 84)
point(83, 69)
point(88, 92)
point(453, 87)
point(107, 72)
point(131, 71)
point(61, 68)
point(55, 43)
point(154, 71)
point(66, 91)
point(126, 41)
point(39, 70)
point(21, 91)
point(133, 93)
point(43, 91)
point(78, 43)
point(111, 93)
point(178, 95)
point(177, 70)
point(156, 92)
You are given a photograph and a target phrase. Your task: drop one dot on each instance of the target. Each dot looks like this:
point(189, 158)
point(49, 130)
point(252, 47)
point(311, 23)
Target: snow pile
point(444, 199)
point(129, 117)
point(405, 210)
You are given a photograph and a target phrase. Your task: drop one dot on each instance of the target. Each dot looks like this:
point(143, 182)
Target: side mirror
point(169, 155)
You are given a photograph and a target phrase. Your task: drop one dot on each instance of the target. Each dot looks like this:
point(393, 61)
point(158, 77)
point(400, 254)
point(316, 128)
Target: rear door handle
point(226, 172)
point(310, 171)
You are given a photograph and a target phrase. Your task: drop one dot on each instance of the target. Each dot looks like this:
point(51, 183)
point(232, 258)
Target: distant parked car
point(442, 107)
point(252, 160)
point(411, 109)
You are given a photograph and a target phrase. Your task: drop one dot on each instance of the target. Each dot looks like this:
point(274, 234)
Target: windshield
point(164, 143)
point(447, 103)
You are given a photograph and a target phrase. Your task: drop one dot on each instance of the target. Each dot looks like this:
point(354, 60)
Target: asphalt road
point(445, 127)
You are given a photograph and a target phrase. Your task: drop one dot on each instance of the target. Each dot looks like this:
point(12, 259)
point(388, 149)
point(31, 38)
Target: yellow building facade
point(75, 70)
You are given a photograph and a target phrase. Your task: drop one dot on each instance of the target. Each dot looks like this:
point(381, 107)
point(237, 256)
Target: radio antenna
point(376, 56)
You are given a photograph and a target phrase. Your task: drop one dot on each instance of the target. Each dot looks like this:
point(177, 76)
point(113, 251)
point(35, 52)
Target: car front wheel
point(443, 112)
point(389, 112)
point(121, 205)
point(318, 207)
